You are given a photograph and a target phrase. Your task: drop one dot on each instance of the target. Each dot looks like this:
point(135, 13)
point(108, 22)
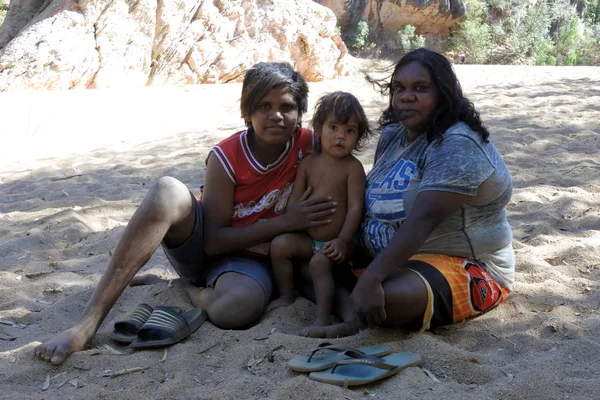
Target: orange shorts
point(457, 288)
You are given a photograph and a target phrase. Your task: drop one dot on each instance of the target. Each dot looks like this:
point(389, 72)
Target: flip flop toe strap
point(162, 323)
point(351, 357)
point(339, 348)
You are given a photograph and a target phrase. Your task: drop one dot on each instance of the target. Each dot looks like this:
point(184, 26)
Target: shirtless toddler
point(341, 126)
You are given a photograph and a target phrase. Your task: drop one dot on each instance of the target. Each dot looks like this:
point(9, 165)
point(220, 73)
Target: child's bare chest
point(329, 179)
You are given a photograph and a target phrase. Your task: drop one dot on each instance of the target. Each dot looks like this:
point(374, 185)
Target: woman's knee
point(168, 198)
point(405, 297)
point(236, 301)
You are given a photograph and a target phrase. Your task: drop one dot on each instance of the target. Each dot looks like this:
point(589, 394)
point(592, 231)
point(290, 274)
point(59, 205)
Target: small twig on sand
point(502, 338)
point(64, 383)
point(209, 347)
point(253, 362)
point(33, 275)
point(113, 351)
point(509, 376)
point(269, 355)
point(431, 375)
point(61, 385)
point(65, 178)
point(6, 336)
point(123, 372)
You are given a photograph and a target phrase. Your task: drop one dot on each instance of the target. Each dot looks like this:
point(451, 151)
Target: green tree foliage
point(549, 32)
point(474, 35)
point(591, 12)
point(474, 39)
point(409, 40)
point(3, 10)
point(360, 36)
point(526, 29)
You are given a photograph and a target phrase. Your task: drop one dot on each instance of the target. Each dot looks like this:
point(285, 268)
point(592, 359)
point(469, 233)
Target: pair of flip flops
point(147, 328)
point(347, 366)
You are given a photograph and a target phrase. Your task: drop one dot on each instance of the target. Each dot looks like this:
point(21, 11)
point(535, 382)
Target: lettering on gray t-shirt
point(460, 163)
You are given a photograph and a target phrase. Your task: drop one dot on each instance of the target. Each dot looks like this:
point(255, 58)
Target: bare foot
point(331, 331)
point(198, 295)
point(58, 349)
point(147, 279)
point(280, 302)
point(318, 325)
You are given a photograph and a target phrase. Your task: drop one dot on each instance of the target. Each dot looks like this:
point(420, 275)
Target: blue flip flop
point(353, 369)
point(167, 326)
point(314, 362)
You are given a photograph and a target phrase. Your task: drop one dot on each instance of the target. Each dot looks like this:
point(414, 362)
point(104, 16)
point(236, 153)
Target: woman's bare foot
point(280, 302)
point(58, 349)
point(331, 331)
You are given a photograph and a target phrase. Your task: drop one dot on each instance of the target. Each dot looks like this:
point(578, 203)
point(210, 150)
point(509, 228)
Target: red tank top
point(261, 192)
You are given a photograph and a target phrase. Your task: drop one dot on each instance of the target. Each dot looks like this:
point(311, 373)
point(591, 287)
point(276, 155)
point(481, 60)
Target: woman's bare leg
point(405, 298)
point(167, 212)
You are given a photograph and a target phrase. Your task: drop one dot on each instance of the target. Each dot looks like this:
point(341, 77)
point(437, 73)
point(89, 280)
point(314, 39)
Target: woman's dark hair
point(343, 106)
point(266, 76)
point(452, 106)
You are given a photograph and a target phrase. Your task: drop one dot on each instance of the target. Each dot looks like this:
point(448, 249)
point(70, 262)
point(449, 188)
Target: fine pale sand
point(74, 166)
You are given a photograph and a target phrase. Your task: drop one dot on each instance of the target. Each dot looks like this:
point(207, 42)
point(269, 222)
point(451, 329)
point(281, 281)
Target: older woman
point(436, 244)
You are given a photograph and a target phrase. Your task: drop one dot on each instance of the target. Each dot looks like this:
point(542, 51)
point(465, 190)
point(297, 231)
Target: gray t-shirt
point(461, 163)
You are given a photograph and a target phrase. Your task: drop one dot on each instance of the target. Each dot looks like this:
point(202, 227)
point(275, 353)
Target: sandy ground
point(74, 166)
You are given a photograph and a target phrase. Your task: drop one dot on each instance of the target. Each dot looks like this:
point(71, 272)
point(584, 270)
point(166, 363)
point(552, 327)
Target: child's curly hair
point(343, 106)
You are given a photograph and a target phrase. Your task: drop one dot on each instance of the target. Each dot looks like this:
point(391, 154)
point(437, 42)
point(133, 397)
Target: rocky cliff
point(429, 17)
point(61, 44)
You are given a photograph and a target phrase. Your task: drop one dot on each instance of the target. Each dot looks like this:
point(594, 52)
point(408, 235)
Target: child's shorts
point(318, 245)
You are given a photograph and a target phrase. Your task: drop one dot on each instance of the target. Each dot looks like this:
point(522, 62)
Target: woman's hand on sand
point(368, 299)
point(336, 250)
point(309, 213)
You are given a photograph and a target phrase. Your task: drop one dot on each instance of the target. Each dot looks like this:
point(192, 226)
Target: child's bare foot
point(280, 302)
point(331, 331)
point(58, 349)
point(319, 324)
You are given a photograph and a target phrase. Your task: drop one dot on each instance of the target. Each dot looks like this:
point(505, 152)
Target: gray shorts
point(192, 264)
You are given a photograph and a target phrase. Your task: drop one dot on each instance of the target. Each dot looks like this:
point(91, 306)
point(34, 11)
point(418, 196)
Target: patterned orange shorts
point(457, 288)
